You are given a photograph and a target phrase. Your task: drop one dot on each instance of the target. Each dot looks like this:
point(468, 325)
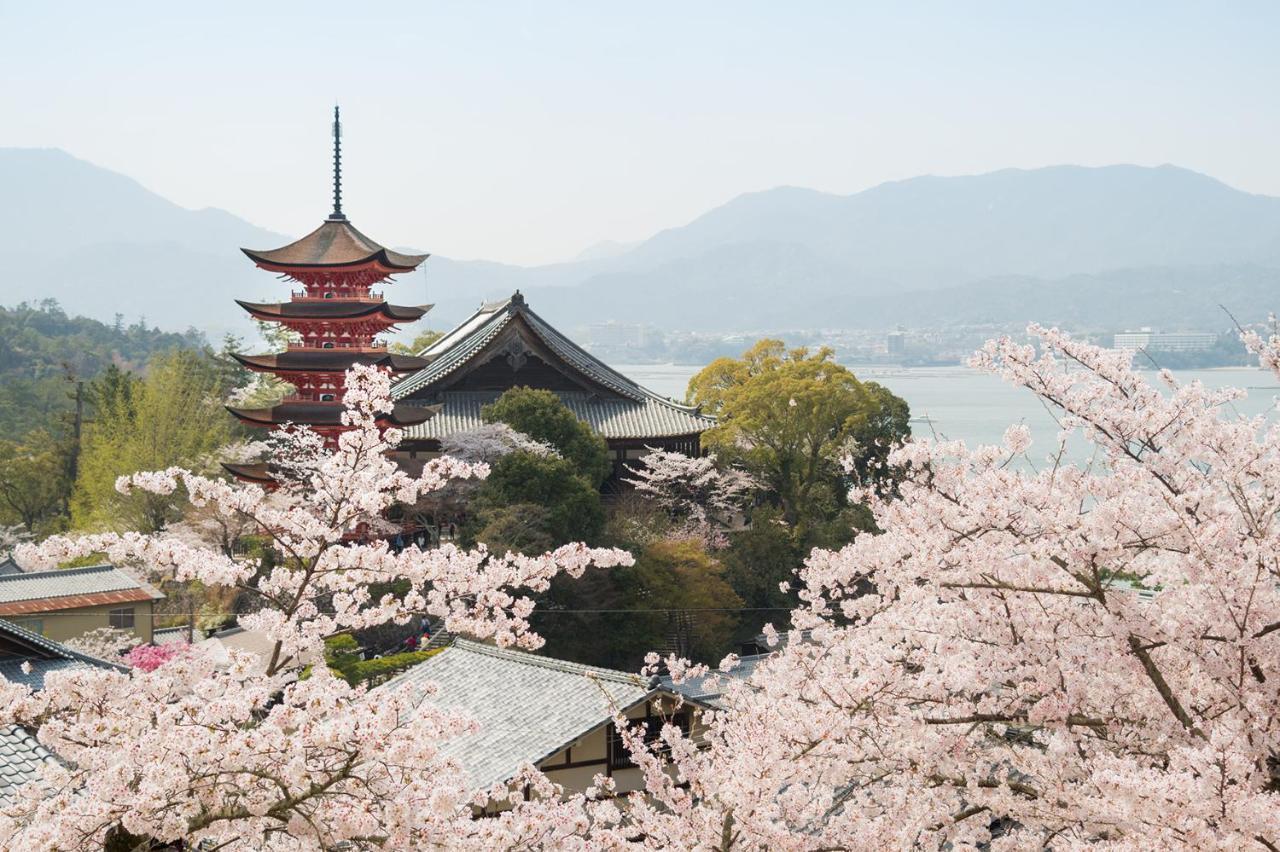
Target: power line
point(536, 612)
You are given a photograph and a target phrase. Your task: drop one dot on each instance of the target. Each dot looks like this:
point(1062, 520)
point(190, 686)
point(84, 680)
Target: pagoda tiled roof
point(334, 309)
point(258, 472)
point(621, 409)
point(329, 361)
point(335, 243)
point(327, 414)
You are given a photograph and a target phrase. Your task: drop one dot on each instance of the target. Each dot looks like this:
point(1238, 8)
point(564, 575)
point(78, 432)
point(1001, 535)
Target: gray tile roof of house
point(635, 411)
point(708, 689)
point(21, 759)
point(69, 582)
point(21, 755)
point(169, 635)
point(8, 566)
point(19, 645)
point(528, 707)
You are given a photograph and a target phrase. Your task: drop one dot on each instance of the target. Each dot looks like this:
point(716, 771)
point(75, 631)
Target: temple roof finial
point(336, 215)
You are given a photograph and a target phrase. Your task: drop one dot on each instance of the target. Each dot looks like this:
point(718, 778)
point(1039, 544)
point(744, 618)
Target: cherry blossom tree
point(105, 643)
point(1058, 656)
point(242, 756)
point(491, 441)
point(702, 496)
point(1004, 682)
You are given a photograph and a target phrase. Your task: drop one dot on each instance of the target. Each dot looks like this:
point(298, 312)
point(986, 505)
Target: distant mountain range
point(1092, 248)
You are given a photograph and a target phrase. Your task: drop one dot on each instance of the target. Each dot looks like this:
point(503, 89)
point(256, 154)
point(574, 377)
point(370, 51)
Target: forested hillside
point(43, 351)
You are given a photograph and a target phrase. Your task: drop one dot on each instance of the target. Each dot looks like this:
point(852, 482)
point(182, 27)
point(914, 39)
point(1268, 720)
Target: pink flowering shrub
point(148, 658)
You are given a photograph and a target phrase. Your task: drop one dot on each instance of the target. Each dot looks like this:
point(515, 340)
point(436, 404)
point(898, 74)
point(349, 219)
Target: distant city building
point(618, 334)
point(1165, 341)
point(896, 342)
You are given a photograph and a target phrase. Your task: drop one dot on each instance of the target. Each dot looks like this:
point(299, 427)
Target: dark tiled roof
point(709, 688)
point(623, 408)
point(329, 361)
point(172, 635)
point(612, 418)
point(334, 309)
point(335, 243)
point(322, 414)
point(21, 759)
point(42, 591)
point(8, 566)
point(19, 645)
point(21, 755)
point(258, 472)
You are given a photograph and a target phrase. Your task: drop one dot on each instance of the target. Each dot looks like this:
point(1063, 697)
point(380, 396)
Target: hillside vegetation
point(43, 350)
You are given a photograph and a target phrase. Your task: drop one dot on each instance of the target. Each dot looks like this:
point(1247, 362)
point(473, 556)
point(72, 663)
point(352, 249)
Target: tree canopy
point(569, 506)
point(542, 416)
point(420, 341)
point(788, 416)
point(172, 416)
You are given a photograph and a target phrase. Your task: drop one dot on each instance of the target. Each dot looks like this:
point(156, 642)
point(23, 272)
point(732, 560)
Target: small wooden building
point(544, 712)
point(504, 345)
point(63, 604)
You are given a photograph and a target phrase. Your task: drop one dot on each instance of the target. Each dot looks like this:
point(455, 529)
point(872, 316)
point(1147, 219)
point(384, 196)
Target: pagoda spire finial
point(336, 215)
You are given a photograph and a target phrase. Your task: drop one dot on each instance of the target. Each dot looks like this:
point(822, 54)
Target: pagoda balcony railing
point(302, 296)
point(337, 344)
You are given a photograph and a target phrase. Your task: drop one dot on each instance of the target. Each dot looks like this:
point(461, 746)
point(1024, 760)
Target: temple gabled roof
point(329, 361)
point(611, 403)
point(333, 309)
point(327, 414)
point(335, 243)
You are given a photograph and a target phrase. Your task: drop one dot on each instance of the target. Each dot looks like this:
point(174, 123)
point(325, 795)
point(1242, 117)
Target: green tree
point(110, 396)
point(174, 416)
point(518, 528)
point(760, 558)
point(542, 416)
point(569, 507)
point(788, 416)
point(421, 341)
point(33, 480)
point(675, 598)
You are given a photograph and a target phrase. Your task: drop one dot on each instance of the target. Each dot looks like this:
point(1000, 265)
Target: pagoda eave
point(256, 472)
point(375, 263)
point(327, 415)
point(333, 310)
point(329, 361)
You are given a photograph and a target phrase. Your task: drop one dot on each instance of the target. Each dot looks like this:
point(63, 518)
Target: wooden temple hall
point(504, 345)
point(336, 318)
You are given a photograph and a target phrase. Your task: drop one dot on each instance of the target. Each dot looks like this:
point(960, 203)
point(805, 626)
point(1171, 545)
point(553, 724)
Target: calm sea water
point(960, 403)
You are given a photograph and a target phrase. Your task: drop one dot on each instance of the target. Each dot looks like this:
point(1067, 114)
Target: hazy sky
point(524, 132)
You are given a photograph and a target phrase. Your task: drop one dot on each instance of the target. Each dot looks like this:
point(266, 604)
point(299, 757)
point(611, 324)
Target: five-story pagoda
point(336, 318)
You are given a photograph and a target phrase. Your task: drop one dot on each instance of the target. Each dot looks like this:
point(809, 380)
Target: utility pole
point(77, 425)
